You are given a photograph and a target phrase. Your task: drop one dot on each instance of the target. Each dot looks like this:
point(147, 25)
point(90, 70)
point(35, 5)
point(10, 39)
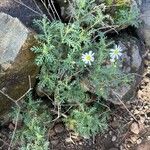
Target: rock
point(144, 146)
point(134, 128)
point(59, 128)
point(16, 60)
point(144, 30)
point(51, 133)
point(113, 138)
point(131, 62)
point(54, 142)
point(139, 141)
point(20, 11)
point(113, 149)
point(134, 138)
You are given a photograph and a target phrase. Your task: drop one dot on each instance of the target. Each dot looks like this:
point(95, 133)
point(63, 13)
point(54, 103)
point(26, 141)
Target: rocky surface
point(132, 63)
point(16, 59)
point(144, 30)
point(25, 10)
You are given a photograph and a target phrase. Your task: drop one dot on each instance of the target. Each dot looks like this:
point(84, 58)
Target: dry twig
point(19, 109)
point(118, 97)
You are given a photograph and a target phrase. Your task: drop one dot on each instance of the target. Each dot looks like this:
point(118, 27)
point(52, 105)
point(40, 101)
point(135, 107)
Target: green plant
point(32, 135)
point(65, 75)
point(87, 121)
point(128, 16)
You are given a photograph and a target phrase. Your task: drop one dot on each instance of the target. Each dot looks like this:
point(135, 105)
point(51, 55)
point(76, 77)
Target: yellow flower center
point(88, 57)
point(116, 51)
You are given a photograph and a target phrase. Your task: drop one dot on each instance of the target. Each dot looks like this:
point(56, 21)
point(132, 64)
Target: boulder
point(131, 63)
point(25, 10)
point(144, 30)
point(16, 60)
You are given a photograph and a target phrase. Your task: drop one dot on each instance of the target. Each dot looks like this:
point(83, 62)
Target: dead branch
point(118, 97)
point(19, 109)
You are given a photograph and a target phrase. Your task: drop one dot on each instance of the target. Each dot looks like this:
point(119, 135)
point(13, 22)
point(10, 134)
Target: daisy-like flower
point(115, 53)
point(88, 57)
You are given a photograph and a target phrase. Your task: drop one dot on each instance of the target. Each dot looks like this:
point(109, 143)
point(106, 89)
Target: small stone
point(139, 141)
point(114, 138)
point(113, 148)
point(142, 119)
point(110, 132)
point(80, 143)
point(134, 128)
point(136, 112)
point(11, 126)
point(51, 133)
point(134, 138)
point(131, 119)
point(144, 146)
point(148, 138)
point(115, 124)
point(59, 128)
point(54, 142)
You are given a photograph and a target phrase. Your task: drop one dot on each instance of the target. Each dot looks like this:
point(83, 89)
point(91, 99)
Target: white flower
point(88, 57)
point(115, 53)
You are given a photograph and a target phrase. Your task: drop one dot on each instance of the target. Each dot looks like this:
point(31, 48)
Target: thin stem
point(55, 9)
point(44, 4)
point(21, 3)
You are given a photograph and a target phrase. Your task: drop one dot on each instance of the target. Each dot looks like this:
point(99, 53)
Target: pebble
point(143, 146)
point(139, 141)
point(134, 128)
point(146, 107)
point(148, 138)
point(114, 138)
point(142, 119)
point(51, 133)
point(113, 148)
point(54, 142)
point(136, 112)
point(59, 128)
point(110, 132)
point(134, 138)
point(105, 135)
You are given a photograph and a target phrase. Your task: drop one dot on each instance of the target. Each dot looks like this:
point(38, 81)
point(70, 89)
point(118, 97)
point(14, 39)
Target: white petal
point(117, 57)
point(90, 52)
point(120, 54)
point(119, 47)
point(112, 50)
point(86, 62)
point(116, 46)
point(89, 63)
point(92, 59)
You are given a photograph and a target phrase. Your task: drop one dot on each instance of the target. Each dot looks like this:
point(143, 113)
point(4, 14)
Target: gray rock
point(144, 30)
point(26, 11)
point(59, 128)
point(131, 63)
point(16, 59)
